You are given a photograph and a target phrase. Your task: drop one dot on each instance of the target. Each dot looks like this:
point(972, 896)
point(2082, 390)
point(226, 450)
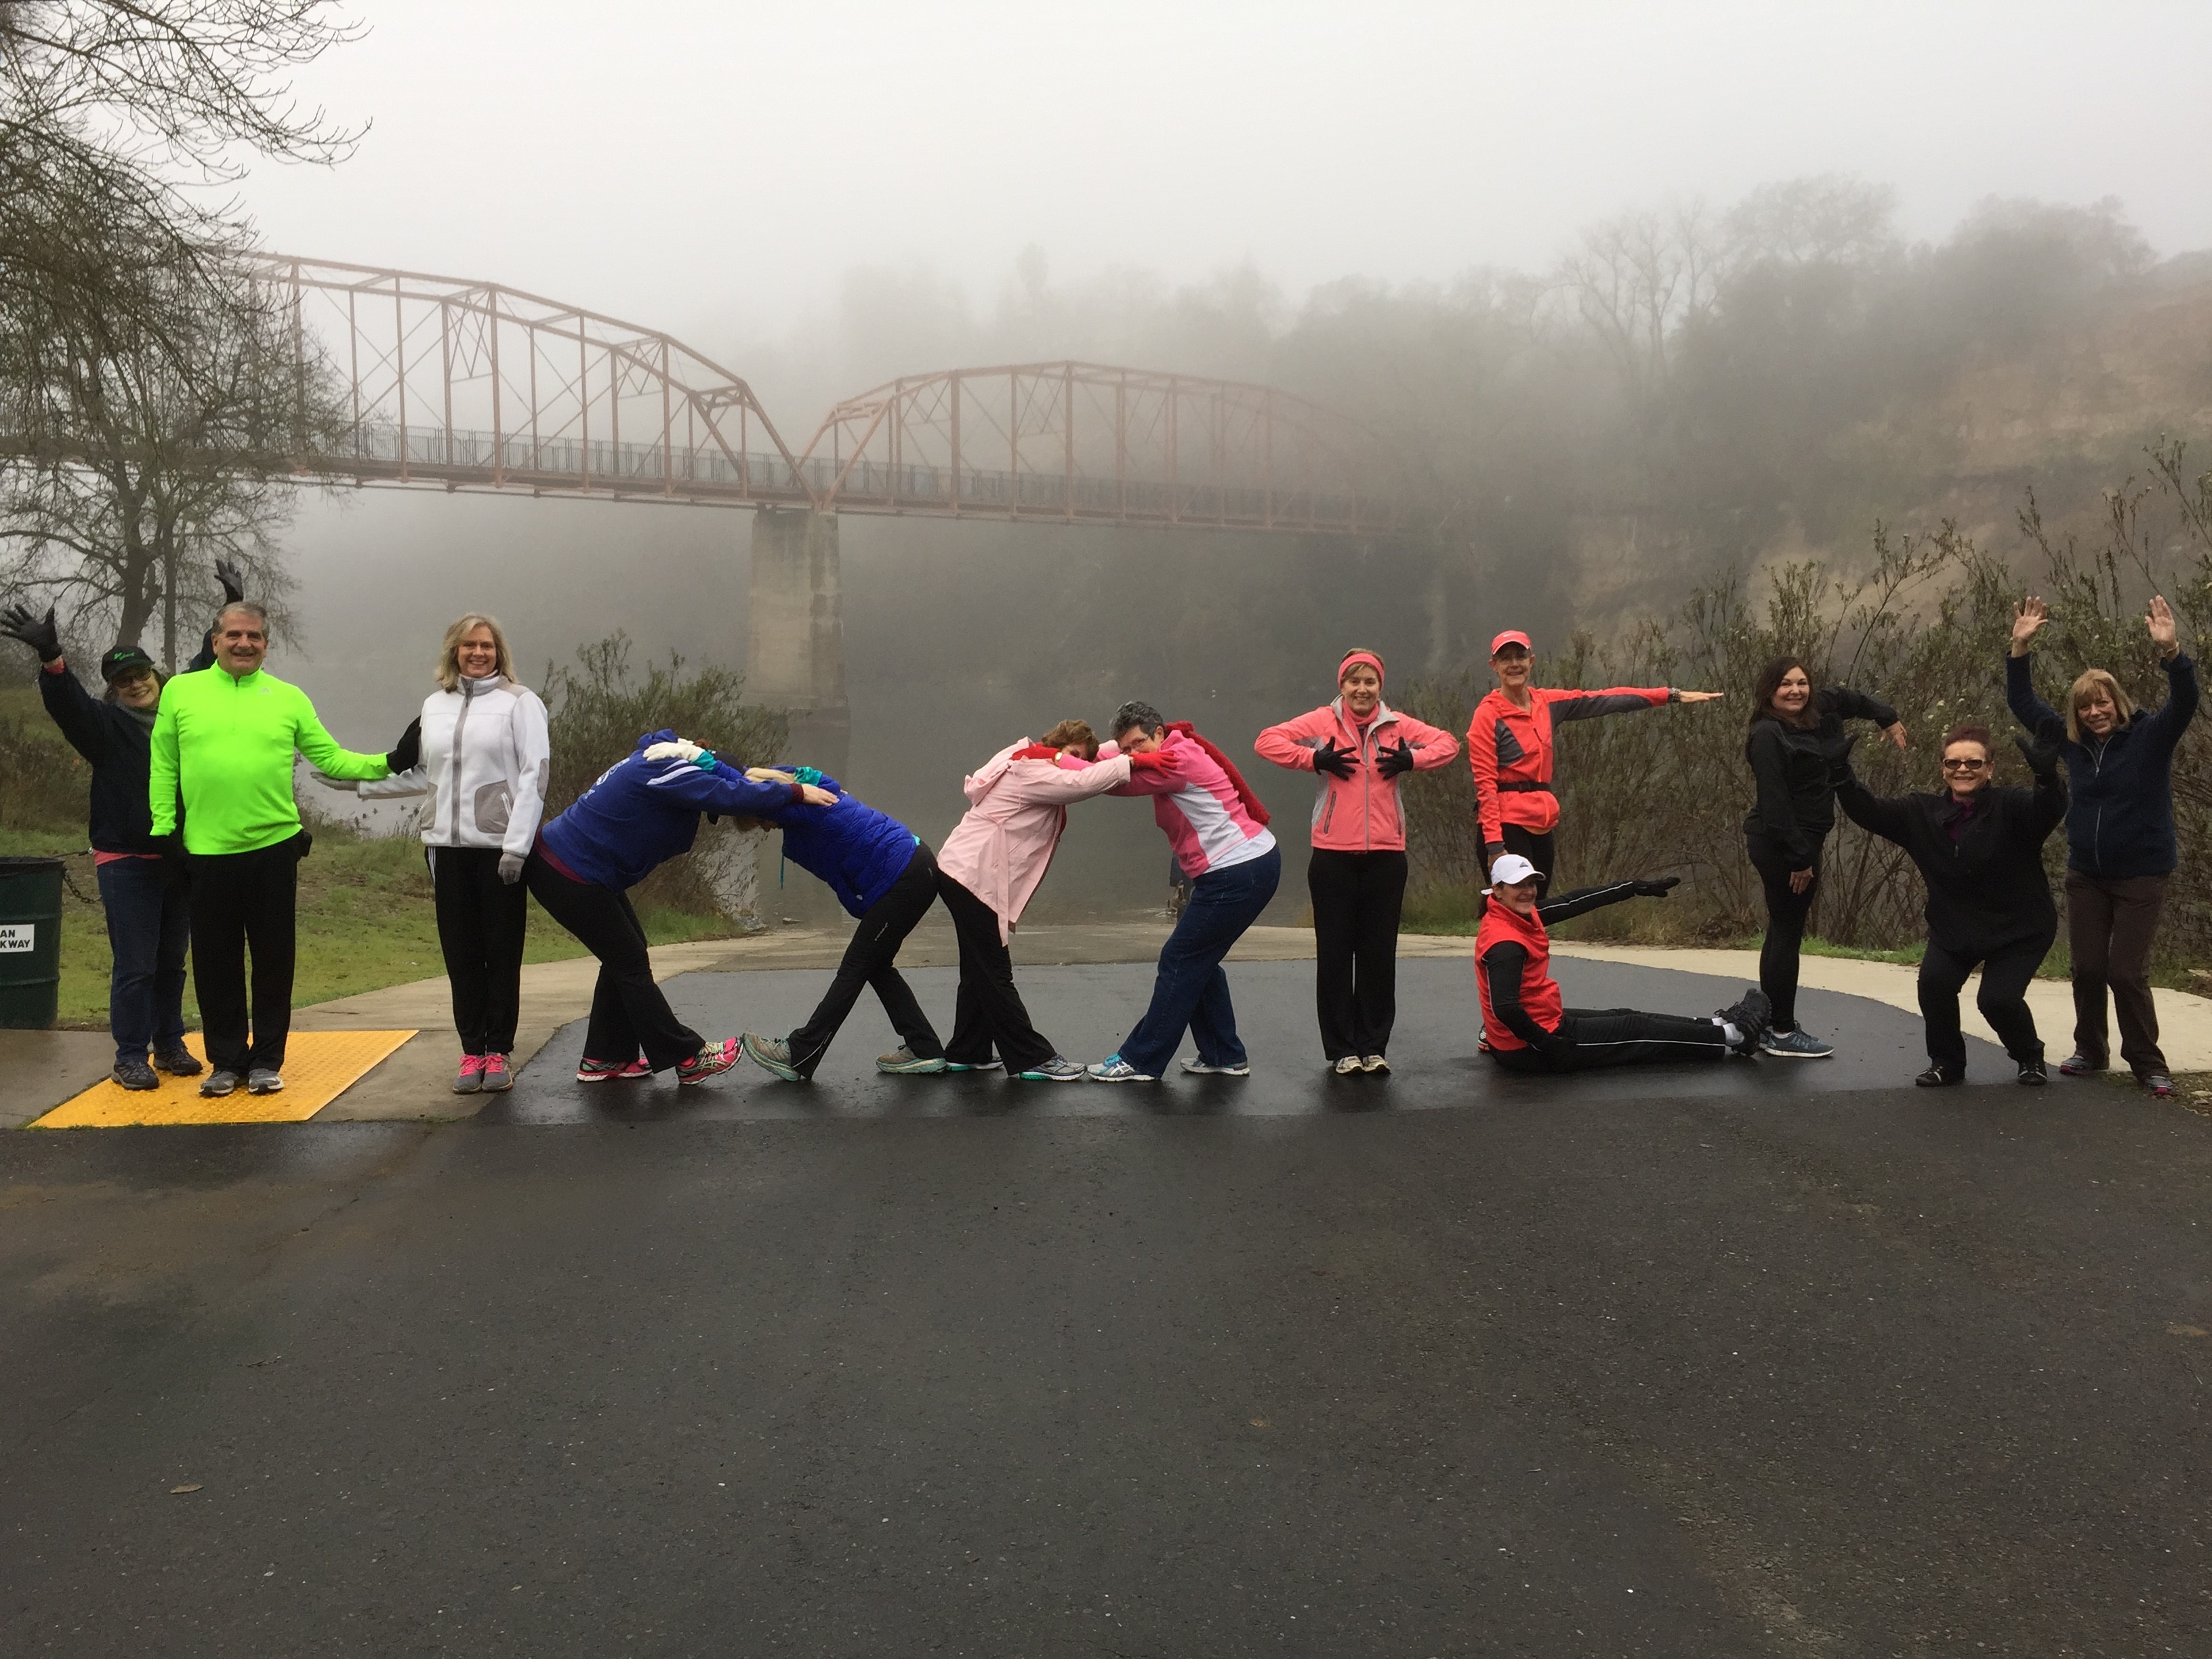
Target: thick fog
point(1907, 222)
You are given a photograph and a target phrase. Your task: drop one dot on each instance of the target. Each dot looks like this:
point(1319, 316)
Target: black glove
point(1394, 762)
point(233, 584)
point(38, 633)
point(1491, 852)
point(1657, 887)
point(2042, 757)
point(1337, 763)
point(407, 753)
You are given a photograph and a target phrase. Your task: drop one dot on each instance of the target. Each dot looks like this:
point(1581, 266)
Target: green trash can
point(30, 943)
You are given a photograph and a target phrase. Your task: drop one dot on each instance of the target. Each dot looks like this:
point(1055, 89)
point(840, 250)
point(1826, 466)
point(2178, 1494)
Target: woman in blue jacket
point(643, 811)
point(2119, 834)
point(886, 875)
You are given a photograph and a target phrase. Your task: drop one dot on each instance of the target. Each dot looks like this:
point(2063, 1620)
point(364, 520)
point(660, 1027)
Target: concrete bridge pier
point(796, 656)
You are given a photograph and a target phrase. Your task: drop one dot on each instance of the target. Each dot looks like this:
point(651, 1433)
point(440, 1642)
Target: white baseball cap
point(1509, 868)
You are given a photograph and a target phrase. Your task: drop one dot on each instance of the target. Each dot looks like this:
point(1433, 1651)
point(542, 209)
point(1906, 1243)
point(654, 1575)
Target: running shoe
point(903, 1061)
point(1751, 1014)
point(772, 1054)
point(218, 1084)
point(176, 1062)
point(1794, 1045)
point(470, 1078)
point(2157, 1084)
point(1059, 1069)
point(599, 1071)
point(1206, 1068)
point(715, 1057)
point(136, 1074)
point(1376, 1063)
point(497, 1078)
point(2032, 1074)
point(1936, 1077)
point(1346, 1067)
point(264, 1080)
point(991, 1065)
point(1115, 1069)
point(2078, 1064)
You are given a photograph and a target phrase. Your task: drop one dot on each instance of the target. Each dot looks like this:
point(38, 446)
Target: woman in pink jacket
point(1358, 747)
point(987, 870)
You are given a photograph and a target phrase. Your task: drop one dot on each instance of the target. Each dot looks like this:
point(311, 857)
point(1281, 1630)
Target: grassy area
point(365, 921)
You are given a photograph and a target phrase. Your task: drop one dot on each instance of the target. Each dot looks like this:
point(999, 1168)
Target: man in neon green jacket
point(225, 737)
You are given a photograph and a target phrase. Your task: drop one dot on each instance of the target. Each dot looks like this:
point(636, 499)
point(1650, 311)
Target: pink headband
point(1353, 658)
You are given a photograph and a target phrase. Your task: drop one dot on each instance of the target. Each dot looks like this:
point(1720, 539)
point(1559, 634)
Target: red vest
point(1539, 991)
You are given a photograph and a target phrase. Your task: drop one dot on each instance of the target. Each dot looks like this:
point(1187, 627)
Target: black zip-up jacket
point(2121, 823)
point(119, 746)
point(1987, 892)
point(1794, 807)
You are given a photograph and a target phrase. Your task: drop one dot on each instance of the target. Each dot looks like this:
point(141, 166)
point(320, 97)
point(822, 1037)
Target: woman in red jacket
point(1358, 747)
point(1508, 745)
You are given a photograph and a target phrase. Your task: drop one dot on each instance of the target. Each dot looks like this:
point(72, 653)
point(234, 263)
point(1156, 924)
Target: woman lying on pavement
point(643, 811)
point(883, 874)
point(1526, 1027)
point(1980, 851)
point(991, 867)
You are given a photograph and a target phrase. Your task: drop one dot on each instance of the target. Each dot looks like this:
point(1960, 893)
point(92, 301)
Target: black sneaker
point(1936, 1077)
point(176, 1062)
point(1753, 1015)
point(2078, 1064)
point(2032, 1074)
point(136, 1074)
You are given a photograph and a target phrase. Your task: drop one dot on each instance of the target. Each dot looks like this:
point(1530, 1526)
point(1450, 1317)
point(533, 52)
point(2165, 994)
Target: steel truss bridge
point(467, 385)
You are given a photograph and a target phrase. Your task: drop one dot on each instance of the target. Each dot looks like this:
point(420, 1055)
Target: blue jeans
point(1191, 992)
point(148, 927)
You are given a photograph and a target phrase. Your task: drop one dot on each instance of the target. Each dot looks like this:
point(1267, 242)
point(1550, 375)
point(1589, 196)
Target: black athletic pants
point(2003, 1000)
point(1537, 849)
point(869, 960)
point(989, 1012)
point(241, 901)
point(1618, 1037)
point(1357, 899)
point(481, 924)
point(1785, 925)
point(629, 1013)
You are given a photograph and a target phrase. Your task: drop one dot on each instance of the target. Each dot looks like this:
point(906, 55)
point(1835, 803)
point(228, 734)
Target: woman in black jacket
point(2120, 844)
point(1797, 737)
point(142, 886)
point(1980, 851)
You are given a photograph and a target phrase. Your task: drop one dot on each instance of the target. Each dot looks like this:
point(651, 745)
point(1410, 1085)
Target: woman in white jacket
point(483, 764)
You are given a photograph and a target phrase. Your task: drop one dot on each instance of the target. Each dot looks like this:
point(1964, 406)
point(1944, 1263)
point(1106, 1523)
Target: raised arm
point(1878, 815)
point(73, 709)
point(2031, 711)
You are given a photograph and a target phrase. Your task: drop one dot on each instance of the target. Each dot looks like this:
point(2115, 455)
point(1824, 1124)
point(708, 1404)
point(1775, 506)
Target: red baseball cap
point(1511, 636)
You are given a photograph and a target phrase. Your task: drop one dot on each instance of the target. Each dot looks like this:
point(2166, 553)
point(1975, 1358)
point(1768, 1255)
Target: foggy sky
point(714, 168)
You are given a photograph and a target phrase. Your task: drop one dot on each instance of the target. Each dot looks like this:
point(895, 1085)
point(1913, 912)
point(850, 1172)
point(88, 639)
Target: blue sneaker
point(1057, 1069)
point(1115, 1069)
point(1794, 1045)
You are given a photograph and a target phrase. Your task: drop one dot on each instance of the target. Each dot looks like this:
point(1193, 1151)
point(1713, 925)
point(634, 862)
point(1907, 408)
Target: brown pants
point(2109, 924)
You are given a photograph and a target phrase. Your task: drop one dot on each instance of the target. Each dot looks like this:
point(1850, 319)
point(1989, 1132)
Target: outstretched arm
point(1583, 899)
point(1618, 699)
point(1879, 815)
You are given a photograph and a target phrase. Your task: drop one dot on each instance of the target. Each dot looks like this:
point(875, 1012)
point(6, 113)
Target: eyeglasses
point(1964, 765)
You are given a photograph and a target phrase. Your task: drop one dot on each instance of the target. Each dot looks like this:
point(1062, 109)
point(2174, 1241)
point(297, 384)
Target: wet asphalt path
point(1667, 1371)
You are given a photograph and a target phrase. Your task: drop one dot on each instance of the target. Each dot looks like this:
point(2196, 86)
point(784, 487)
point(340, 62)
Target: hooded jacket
point(1018, 809)
point(855, 850)
point(1796, 804)
point(485, 758)
point(1360, 813)
point(1987, 891)
point(2121, 822)
point(641, 813)
point(1510, 749)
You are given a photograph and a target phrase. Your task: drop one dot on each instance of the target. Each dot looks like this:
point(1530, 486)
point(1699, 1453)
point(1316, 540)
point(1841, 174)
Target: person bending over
point(1526, 1026)
point(643, 811)
point(884, 875)
point(1509, 748)
point(1980, 851)
point(991, 867)
point(1219, 830)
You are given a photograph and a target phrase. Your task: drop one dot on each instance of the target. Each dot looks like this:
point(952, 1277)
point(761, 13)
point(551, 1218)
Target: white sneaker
point(1375, 1063)
point(1347, 1066)
point(1115, 1069)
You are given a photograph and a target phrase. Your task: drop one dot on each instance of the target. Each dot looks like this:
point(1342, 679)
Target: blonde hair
point(449, 654)
point(2095, 679)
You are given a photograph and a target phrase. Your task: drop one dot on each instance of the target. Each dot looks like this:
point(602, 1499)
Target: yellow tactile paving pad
point(319, 1068)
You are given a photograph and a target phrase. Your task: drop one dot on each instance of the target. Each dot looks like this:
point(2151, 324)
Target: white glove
point(350, 786)
point(510, 867)
point(680, 750)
